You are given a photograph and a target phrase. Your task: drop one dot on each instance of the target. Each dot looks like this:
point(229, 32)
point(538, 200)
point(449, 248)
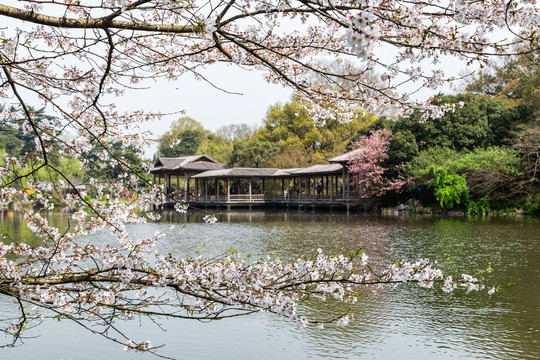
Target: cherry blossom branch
point(106, 22)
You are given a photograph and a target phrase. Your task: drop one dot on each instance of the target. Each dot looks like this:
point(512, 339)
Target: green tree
point(14, 140)
point(9, 141)
point(124, 159)
point(253, 153)
point(402, 149)
point(477, 121)
point(295, 157)
point(464, 128)
point(514, 79)
point(220, 145)
point(217, 147)
point(68, 167)
point(290, 126)
point(504, 128)
point(184, 138)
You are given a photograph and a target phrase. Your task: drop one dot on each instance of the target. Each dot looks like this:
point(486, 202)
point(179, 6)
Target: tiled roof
point(237, 172)
point(344, 158)
point(193, 162)
point(319, 169)
point(210, 168)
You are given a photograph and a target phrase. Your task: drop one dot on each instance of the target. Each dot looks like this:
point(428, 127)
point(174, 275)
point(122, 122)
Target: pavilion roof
point(344, 158)
point(271, 172)
point(206, 167)
point(286, 172)
point(237, 172)
point(193, 162)
point(319, 169)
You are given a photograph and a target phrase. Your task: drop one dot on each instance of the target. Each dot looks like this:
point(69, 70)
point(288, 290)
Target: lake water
point(403, 323)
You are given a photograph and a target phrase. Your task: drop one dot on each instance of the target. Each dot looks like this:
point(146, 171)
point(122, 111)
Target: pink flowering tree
point(75, 57)
point(366, 166)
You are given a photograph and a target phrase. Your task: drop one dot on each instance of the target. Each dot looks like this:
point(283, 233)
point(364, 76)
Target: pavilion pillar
point(331, 188)
point(289, 189)
point(274, 188)
point(186, 186)
point(188, 190)
point(348, 186)
point(217, 189)
point(249, 187)
point(326, 185)
point(228, 189)
point(343, 183)
point(196, 189)
point(205, 189)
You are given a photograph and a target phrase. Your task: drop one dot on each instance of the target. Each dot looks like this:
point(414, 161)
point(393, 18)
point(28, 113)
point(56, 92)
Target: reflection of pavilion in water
point(201, 180)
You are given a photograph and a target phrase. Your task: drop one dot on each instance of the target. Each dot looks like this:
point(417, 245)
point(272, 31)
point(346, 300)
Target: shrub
point(450, 188)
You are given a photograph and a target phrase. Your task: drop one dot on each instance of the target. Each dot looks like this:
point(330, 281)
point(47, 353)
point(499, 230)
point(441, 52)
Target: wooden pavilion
point(201, 180)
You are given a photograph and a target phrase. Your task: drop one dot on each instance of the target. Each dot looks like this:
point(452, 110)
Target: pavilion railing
point(269, 197)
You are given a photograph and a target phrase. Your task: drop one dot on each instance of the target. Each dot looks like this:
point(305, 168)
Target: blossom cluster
point(366, 166)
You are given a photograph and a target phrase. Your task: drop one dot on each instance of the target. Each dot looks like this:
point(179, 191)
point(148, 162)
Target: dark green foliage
point(403, 148)
point(13, 140)
point(465, 128)
point(476, 122)
point(492, 174)
point(253, 153)
point(533, 207)
point(188, 143)
point(503, 127)
point(184, 138)
point(125, 158)
point(9, 141)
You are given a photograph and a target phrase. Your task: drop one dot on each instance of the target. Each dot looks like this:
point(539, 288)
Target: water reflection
point(405, 323)
point(12, 226)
